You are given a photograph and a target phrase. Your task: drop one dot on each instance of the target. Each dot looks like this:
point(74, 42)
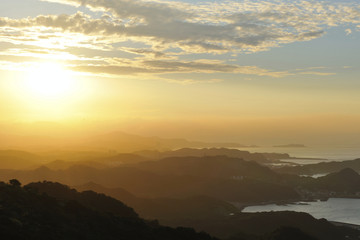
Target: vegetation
point(189, 191)
point(229, 179)
point(323, 167)
point(28, 214)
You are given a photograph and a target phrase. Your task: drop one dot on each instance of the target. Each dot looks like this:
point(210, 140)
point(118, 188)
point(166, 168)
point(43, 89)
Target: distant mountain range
point(12, 159)
point(201, 152)
point(113, 141)
point(225, 178)
point(292, 145)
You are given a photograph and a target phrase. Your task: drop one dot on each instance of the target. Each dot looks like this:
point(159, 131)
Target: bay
point(321, 152)
point(335, 209)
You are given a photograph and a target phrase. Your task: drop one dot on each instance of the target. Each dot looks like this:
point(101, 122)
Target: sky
point(246, 71)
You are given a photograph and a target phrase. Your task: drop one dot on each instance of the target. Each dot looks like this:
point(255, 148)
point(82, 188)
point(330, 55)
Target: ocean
point(335, 209)
point(322, 153)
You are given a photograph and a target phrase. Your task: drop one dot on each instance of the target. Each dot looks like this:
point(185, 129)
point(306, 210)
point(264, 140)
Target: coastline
point(343, 211)
point(343, 224)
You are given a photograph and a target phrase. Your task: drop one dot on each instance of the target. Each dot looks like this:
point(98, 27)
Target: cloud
point(164, 66)
point(148, 53)
point(207, 28)
point(317, 73)
point(163, 37)
point(188, 81)
point(313, 71)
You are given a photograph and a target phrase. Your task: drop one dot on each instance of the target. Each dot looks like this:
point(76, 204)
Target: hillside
point(323, 167)
point(241, 226)
point(26, 214)
point(167, 209)
point(264, 226)
point(345, 181)
point(222, 178)
point(209, 166)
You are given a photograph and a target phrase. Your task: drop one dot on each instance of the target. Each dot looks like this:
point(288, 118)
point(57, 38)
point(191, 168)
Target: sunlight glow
point(49, 81)
point(48, 91)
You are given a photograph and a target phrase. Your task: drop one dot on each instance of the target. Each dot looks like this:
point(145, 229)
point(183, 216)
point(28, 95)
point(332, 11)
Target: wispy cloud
point(154, 35)
point(317, 73)
point(348, 31)
point(163, 66)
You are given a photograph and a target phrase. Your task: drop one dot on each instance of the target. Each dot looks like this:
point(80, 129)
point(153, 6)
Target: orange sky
point(251, 72)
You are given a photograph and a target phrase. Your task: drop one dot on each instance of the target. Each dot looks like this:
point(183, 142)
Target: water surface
point(335, 209)
point(334, 153)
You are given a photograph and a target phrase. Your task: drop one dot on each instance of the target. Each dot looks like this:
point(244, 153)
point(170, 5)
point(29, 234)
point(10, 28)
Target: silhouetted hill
point(12, 159)
point(75, 155)
point(26, 214)
point(282, 233)
point(165, 209)
point(98, 162)
point(249, 191)
point(266, 225)
point(346, 180)
point(292, 233)
point(122, 158)
point(112, 141)
point(47, 210)
point(292, 145)
point(62, 165)
point(112, 160)
point(149, 184)
point(194, 152)
point(124, 142)
point(263, 225)
point(323, 167)
point(118, 193)
point(209, 166)
point(91, 199)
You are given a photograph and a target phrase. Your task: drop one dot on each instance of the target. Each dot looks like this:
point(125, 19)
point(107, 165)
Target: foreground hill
point(251, 226)
point(239, 226)
point(224, 220)
point(26, 214)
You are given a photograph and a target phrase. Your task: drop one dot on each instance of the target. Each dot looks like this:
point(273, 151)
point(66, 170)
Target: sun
point(49, 91)
point(49, 81)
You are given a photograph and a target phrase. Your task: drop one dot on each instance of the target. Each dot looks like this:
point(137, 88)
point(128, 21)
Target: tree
point(15, 182)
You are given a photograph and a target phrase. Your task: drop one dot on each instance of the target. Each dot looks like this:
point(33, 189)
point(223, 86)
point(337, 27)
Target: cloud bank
point(152, 37)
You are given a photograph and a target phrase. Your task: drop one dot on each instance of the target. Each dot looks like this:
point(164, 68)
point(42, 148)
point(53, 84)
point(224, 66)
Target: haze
point(180, 119)
point(259, 72)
